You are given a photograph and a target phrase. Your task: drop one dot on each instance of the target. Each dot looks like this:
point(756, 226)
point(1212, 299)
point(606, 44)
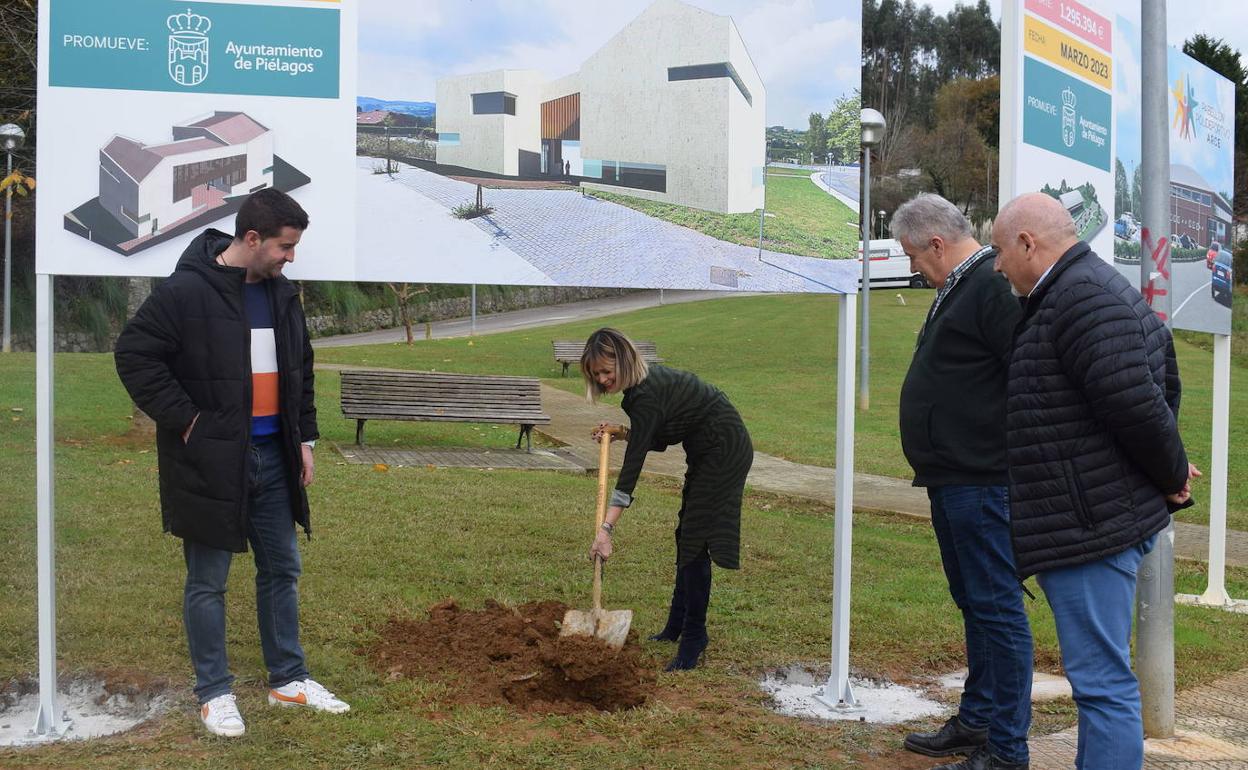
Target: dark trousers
point(972, 526)
point(690, 599)
point(271, 533)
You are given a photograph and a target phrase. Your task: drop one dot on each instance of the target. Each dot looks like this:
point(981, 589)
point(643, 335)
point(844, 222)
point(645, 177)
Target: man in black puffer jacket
point(1096, 463)
point(219, 357)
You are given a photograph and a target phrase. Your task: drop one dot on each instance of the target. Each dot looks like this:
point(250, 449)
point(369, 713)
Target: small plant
point(473, 210)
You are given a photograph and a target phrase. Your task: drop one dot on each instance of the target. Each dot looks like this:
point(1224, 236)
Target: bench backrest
point(571, 350)
point(437, 396)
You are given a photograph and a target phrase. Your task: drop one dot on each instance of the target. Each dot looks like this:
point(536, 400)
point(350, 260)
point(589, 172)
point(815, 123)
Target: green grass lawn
point(398, 541)
point(802, 219)
point(775, 356)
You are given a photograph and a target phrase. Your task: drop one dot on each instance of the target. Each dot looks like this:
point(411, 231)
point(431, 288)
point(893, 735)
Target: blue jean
point(972, 526)
point(271, 533)
point(1093, 605)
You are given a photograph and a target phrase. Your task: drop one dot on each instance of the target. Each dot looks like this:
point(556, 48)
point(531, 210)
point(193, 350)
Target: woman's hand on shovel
point(602, 546)
point(617, 432)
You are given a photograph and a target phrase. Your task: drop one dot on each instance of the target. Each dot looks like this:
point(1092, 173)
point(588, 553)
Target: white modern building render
point(670, 109)
point(148, 187)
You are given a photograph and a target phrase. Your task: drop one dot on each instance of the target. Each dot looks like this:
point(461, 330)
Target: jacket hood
point(200, 256)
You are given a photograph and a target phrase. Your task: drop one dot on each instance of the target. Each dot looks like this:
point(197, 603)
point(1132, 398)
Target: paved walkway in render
point(579, 240)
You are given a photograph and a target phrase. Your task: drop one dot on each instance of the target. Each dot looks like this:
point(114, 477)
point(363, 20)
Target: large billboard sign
point(1057, 110)
point(157, 119)
point(438, 141)
point(1201, 117)
point(1070, 126)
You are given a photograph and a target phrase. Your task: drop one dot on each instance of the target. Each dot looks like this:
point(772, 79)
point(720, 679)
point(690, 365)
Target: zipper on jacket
point(1077, 498)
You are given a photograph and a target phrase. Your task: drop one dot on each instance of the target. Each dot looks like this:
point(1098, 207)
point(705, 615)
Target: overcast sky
point(808, 52)
point(1225, 19)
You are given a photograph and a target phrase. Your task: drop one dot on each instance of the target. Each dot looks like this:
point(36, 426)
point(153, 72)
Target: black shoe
point(953, 738)
point(666, 635)
point(687, 655)
point(983, 759)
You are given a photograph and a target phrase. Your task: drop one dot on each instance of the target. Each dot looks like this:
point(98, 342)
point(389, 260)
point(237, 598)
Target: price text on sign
point(1072, 55)
point(1075, 18)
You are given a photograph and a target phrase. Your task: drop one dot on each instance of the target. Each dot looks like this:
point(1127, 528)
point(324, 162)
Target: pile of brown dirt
point(513, 656)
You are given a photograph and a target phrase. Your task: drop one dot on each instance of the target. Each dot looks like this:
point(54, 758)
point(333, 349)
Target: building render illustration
point(670, 109)
point(150, 187)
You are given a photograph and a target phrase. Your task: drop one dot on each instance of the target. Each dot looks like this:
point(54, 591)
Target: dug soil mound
point(513, 656)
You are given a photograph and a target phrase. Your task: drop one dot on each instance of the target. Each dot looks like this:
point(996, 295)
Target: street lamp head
point(872, 127)
point(11, 137)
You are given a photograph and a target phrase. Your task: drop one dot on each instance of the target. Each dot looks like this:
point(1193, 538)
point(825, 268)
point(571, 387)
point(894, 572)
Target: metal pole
point(48, 720)
point(473, 330)
point(864, 377)
point(8, 258)
point(838, 693)
point(1216, 593)
point(1154, 599)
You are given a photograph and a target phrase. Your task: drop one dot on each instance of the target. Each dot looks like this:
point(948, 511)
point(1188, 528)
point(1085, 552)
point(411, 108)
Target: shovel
point(609, 626)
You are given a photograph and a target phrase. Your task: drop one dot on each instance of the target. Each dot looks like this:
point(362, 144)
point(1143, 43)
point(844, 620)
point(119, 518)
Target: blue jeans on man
point(972, 526)
point(1093, 604)
point(271, 534)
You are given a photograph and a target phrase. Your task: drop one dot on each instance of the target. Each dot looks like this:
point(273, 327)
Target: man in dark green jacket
point(953, 435)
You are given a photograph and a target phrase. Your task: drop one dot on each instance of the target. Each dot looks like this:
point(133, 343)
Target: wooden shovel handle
point(604, 472)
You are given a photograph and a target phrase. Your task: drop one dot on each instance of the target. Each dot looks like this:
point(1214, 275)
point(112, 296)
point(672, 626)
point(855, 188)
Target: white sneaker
point(220, 716)
point(310, 693)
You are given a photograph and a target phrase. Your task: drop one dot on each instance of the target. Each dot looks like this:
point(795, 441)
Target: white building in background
point(670, 109)
point(147, 187)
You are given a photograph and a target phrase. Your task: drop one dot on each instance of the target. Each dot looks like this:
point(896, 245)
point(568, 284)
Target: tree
point(955, 155)
point(1122, 192)
point(1137, 190)
point(844, 128)
point(816, 145)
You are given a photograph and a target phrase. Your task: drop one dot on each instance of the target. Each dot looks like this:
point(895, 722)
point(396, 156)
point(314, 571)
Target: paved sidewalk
point(572, 418)
point(1211, 727)
point(580, 240)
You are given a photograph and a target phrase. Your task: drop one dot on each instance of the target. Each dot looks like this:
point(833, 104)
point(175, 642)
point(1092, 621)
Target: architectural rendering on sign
point(225, 154)
point(152, 191)
point(671, 109)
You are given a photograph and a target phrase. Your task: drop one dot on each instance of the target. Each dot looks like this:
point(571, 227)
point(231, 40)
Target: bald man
point(1096, 464)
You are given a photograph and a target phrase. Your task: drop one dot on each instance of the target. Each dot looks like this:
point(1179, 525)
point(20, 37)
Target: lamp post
point(872, 132)
point(11, 137)
point(879, 220)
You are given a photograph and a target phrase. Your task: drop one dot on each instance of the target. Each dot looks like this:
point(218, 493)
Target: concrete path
point(1211, 727)
point(529, 318)
point(573, 419)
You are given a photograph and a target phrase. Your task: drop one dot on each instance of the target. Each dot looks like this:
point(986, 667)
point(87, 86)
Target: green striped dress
point(675, 407)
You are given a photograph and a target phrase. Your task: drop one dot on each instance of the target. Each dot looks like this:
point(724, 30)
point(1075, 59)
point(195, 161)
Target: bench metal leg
point(526, 434)
point(565, 369)
point(359, 432)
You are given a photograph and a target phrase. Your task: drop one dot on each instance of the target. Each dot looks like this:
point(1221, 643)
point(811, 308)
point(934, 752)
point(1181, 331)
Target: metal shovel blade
point(611, 626)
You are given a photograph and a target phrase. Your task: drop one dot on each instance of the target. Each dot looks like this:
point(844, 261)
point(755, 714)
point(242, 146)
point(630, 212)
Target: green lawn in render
point(395, 542)
point(801, 219)
point(775, 356)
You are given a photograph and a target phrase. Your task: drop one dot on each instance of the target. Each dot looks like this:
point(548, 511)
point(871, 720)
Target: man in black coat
point(953, 435)
point(1095, 459)
point(219, 357)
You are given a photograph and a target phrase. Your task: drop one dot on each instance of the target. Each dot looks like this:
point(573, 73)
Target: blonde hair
point(611, 345)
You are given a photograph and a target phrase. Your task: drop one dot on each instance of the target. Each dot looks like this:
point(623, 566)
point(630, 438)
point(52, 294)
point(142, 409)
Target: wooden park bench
point(568, 352)
point(442, 397)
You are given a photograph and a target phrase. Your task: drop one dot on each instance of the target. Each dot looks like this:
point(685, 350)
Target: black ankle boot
point(687, 655)
point(668, 634)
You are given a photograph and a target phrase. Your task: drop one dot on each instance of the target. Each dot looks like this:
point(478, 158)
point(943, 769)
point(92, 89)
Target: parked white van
point(890, 266)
